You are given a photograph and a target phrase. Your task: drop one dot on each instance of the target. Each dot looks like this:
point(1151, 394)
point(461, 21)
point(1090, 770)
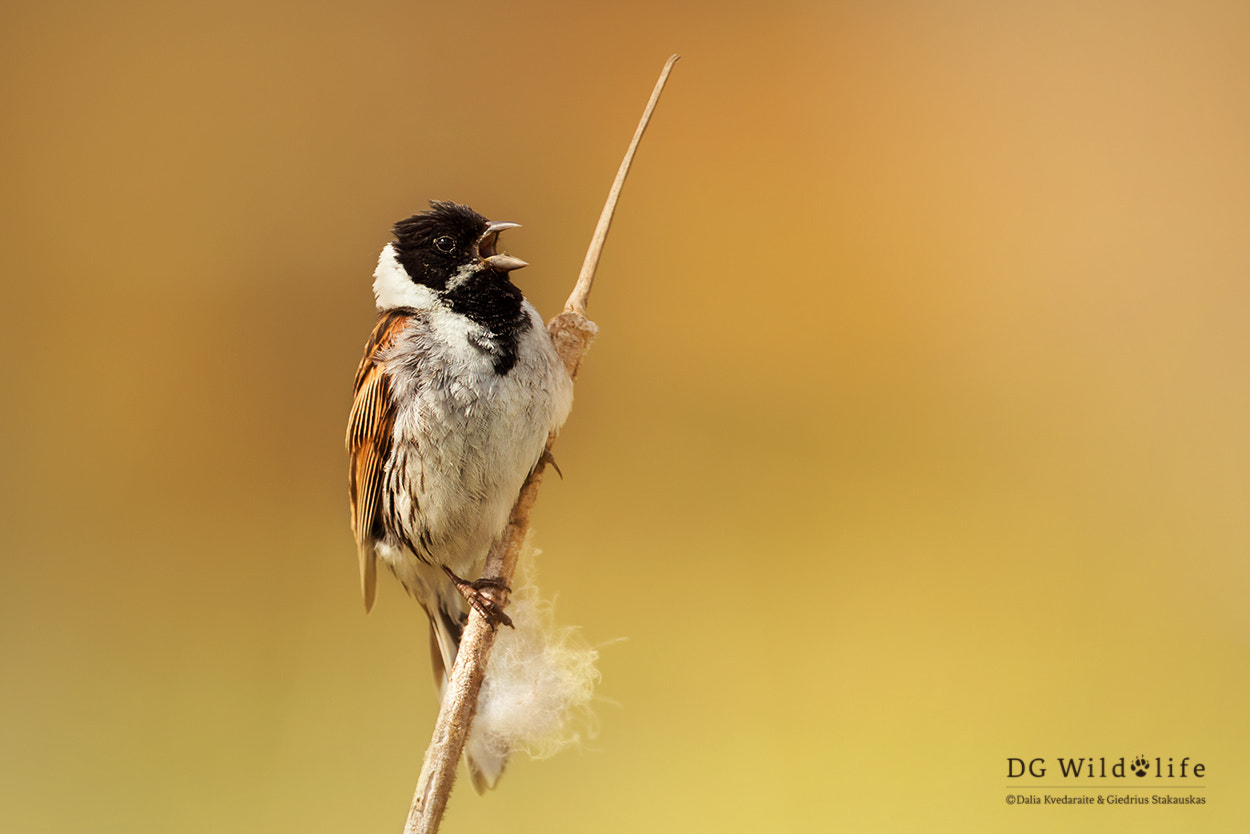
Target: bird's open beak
point(486, 248)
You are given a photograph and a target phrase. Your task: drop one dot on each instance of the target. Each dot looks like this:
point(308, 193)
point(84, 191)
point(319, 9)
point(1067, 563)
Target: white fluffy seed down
point(538, 687)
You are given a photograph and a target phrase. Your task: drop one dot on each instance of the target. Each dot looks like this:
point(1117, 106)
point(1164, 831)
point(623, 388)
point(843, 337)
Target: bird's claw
point(550, 460)
point(480, 596)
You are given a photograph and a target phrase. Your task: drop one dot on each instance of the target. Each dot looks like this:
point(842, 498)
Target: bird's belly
point(459, 459)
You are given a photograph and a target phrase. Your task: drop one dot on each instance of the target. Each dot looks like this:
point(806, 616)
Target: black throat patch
point(488, 298)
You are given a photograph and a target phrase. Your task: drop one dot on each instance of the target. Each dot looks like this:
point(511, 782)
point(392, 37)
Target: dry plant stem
point(572, 334)
point(455, 719)
point(581, 293)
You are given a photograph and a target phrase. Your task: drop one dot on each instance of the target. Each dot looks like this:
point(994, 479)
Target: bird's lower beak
point(486, 248)
point(505, 263)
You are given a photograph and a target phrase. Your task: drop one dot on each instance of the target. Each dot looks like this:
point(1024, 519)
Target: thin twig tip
point(581, 292)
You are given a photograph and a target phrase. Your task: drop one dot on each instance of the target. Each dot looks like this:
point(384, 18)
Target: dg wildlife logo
point(1104, 768)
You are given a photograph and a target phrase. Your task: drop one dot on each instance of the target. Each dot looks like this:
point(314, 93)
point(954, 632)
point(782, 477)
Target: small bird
point(458, 390)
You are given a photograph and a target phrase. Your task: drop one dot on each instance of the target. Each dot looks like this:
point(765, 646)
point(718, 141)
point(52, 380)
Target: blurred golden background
point(915, 438)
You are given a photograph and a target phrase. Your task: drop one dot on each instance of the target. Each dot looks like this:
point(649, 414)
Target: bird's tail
point(537, 691)
point(447, 619)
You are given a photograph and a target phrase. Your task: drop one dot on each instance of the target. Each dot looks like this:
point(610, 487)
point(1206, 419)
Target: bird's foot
point(482, 596)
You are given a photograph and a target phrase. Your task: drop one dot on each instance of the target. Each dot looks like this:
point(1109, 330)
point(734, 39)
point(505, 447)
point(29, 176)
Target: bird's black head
point(451, 250)
point(449, 239)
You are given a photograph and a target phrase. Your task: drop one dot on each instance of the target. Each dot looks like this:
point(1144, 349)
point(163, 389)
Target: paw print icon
point(1140, 765)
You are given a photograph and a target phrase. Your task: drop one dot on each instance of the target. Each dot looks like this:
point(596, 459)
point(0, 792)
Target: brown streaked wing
point(369, 433)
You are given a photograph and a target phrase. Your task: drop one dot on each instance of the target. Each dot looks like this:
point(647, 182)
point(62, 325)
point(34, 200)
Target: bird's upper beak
point(486, 248)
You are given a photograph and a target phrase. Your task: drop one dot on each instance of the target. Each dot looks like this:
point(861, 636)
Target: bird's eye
point(445, 244)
